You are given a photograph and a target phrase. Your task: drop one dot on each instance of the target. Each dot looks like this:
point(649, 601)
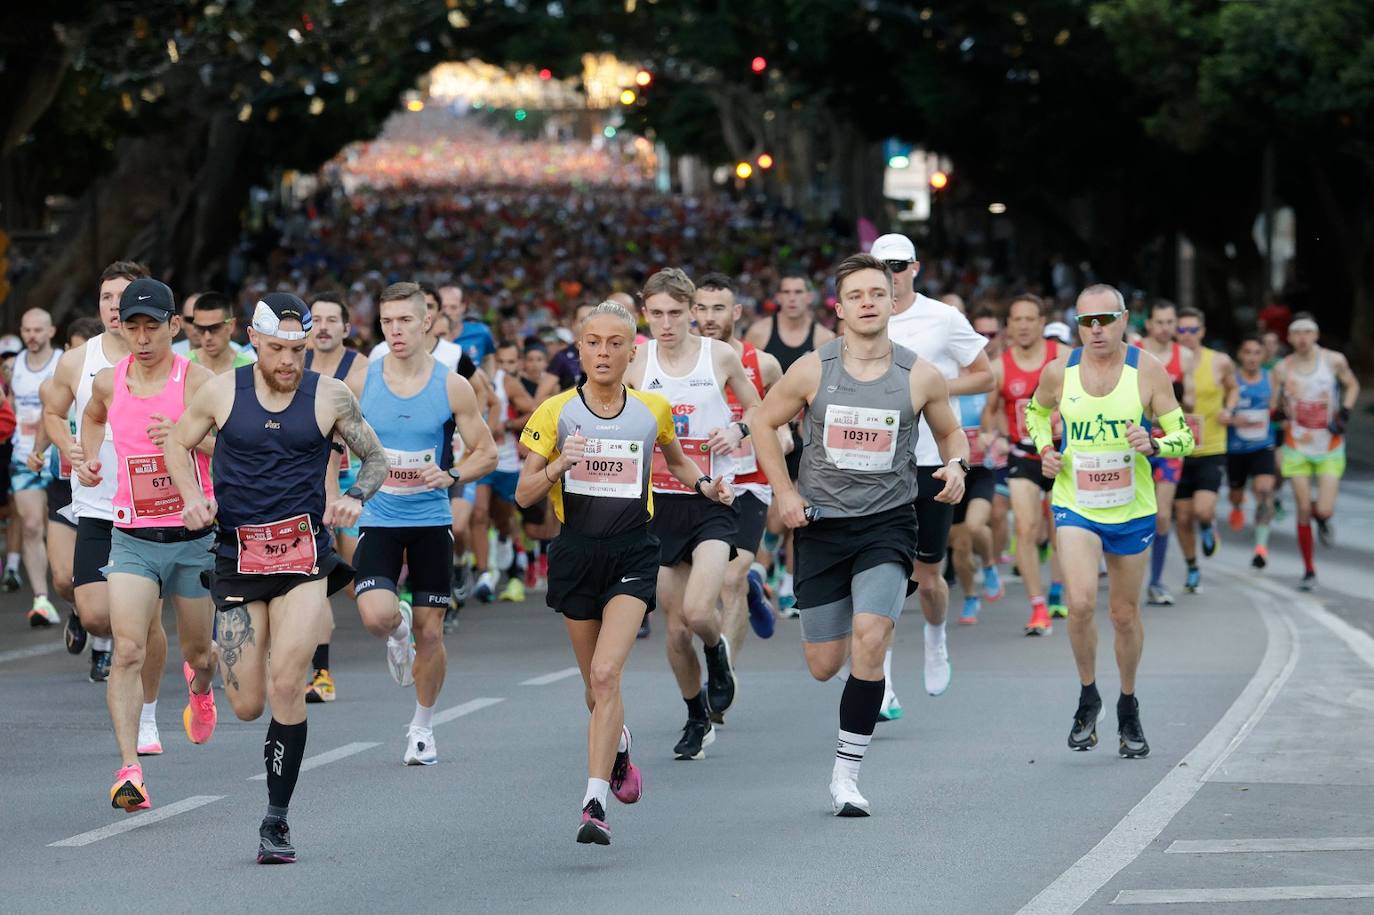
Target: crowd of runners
point(676, 447)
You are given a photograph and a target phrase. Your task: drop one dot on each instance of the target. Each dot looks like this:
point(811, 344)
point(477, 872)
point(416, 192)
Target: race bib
point(28, 424)
point(282, 547)
point(151, 492)
point(1251, 425)
point(405, 471)
point(1312, 414)
point(611, 467)
point(860, 438)
point(1104, 479)
point(977, 454)
point(1194, 422)
point(697, 452)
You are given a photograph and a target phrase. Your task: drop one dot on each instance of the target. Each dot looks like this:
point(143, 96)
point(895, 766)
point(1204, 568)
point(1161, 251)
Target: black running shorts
point(1020, 467)
point(979, 483)
point(1242, 465)
point(229, 589)
point(92, 551)
point(1200, 474)
point(586, 572)
point(932, 518)
point(831, 551)
point(750, 519)
point(59, 497)
point(426, 551)
point(682, 521)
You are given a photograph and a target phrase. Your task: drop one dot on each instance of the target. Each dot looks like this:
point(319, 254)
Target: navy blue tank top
point(345, 363)
point(270, 466)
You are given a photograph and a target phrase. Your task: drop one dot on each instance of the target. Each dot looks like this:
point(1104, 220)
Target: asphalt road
point(1258, 703)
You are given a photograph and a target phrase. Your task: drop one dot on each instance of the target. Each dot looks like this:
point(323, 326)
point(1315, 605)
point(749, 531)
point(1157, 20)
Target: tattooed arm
point(348, 424)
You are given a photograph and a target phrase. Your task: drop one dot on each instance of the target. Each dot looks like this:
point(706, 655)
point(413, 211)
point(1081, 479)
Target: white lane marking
point(325, 758)
point(1245, 894)
point(467, 708)
point(1269, 696)
point(1268, 846)
point(136, 821)
point(18, 654)
point(546, 679)
point(1147, 819)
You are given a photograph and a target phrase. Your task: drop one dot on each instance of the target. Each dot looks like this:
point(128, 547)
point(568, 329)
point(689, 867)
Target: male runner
point(328, 356)
point(412, 400)
point(214, 324)
point(1103, 493)
point(152, 556)
point(495, 500)
point(1161, 329)
point(274, 565)
point(855, 513)
point(1015, 376)
point(942, 337)
point(1214, 395)
point(589, 452)
point(1317, 391)
point(1250, 445)
point(28, 487)
point(988, 323)
point(696, 532)
point(970, 536)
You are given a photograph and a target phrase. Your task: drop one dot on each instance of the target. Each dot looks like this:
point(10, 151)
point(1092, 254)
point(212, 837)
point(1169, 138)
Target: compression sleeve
point(1038, 424)
point(1178, 438)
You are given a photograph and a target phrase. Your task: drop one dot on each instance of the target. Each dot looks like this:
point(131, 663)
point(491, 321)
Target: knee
point(823, 668)
point(379, 617)
point(1125, 615)
point(605, 680)
point(36, 530)
point(199, 657)
point(128, 653)
point(678, 630)
point(429, 638)
point(869, 643)
point(64, 589)
point(246, 708)
point(1080, 601)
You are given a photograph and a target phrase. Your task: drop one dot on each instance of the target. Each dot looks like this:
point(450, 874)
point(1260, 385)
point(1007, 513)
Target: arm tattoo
point(235, 631)
point(361, 440)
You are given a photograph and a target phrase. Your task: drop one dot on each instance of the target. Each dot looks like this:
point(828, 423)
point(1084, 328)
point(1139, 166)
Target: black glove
point(1342, 418)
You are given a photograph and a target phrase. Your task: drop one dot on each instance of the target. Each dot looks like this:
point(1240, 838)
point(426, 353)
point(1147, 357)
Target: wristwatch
point(1154, 447)
point(701, 480)
point(743, 429)
point(963, 464)
point(453, 472)
point(355, 492)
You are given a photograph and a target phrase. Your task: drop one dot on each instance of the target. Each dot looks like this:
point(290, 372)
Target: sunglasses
point(1190, 330)
point(897, 266)
point(209, 328)
point(990, 334)
point(1102, 319)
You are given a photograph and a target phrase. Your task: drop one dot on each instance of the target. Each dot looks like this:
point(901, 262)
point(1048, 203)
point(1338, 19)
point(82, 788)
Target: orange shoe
point(129, 793)
point(1237, 519)
point(1039, 623)
point(199, 716)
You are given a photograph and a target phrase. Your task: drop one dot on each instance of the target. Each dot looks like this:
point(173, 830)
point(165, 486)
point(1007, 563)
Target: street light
point(628, 97)
point(939, 181)
point(743, 170)
point(765, 161)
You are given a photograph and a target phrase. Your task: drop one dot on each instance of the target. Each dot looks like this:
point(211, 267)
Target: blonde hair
point(615, 310)
point(672, 282)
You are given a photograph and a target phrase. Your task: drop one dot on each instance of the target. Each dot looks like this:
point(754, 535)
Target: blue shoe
point(760, 614)
point(787, 606)
point(1209, 540)
point(1193, 583)
point(969, 615)
point(992, 585)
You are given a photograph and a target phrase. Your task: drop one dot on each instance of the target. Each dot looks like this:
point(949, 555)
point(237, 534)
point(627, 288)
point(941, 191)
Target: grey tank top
point(859, 438)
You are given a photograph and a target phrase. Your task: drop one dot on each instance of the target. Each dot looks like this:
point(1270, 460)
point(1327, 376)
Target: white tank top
point(1312, 405)
point(97, 501)
point(699, 405)
point(507, 457)
point(28, 407)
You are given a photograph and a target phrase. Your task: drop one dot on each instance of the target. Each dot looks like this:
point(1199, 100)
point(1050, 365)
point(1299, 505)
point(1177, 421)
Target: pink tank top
point(144, 494)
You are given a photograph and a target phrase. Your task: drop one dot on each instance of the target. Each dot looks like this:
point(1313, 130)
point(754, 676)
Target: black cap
point(283, 306)
point(149, 297)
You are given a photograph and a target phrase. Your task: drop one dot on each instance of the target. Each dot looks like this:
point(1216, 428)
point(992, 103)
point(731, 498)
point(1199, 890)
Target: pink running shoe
point(199, 716)
point(128, 793)
point(594, 830)
point(626, 782)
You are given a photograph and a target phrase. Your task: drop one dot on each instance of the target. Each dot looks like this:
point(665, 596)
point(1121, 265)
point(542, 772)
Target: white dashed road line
point(546, 679)
point(137, 821)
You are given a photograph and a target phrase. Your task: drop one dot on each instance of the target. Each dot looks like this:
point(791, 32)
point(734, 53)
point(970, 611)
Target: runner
point(328, 356)
point(1015, 376)
point(1250, 445)
point(495, 502)
point(28, 486)
point(1214, 395)
point(540, 524)
point(696, 533)
point(1161, 330)
point(412, 401)
point(213, 327)
point(1317, 391)
point(152, 556)
point(855, 512)
point(588, 452)
point(1103, 493)
point(273, 562)
point(943, 338)
point(989, 325)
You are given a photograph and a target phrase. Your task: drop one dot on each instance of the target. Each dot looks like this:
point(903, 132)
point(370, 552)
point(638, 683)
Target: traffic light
point(758, 65)
point(546, 74)
point(643, 78)
point(765, 161)
point(628, 96)
point(938, 181)
point(743, 171)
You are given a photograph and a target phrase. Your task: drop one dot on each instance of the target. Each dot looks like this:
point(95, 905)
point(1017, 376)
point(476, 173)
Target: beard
point(270, 379)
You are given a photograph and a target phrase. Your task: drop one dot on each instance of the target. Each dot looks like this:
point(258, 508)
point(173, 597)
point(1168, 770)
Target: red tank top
point(1018, 385)
point(1175, 364)
point(744, 454)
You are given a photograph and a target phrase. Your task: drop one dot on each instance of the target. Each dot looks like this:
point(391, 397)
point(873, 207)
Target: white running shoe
point(485, 589)
point(845, 798)
point(937, 670)
point(400, 656)
point(420, 747)
point(149, 742)
point(503, 554)
point(891, 709)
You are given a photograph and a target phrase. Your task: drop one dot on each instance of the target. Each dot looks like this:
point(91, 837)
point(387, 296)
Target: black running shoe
point(1326, 532)
point(720, 678)
point(1309, 582)
point(75, 634)
point(462, 583)
point(697, 735)
point(10, 583)
point(1133, 743)
point(100, 666)
point(274, 842)
point(1083, 735)
point(594, 830)
point(644, 629)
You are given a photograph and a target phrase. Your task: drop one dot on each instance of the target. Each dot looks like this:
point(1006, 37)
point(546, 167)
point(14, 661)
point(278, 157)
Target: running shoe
point(937, 669)
point(149, 741)
point(697, 735)
point(451, 617)
point(1309, 582)
point(969, 615)
point(74, 634)
point(760, 613)
point(100, 666)
point(485, 589)
point(787, 606)
point(514, 591)
point(1236, 519)
point(891, 709)
point(845, 798)
point(503, 554)
point(532, 575)
point(1133, 744)
point(1209, 539)
point(274, 842)
point(43, 613)
point(400, 656)
point(1083, 734)
point(644, 629)
point(199, 716)
point(1044, 552)
point(1004, 560)
point(1261, 557)
point(1193, 582)
point(1057, 609)
point(1326, 532)
point(593, 830)
point(1279, 513)
point(720, 678)
point(1159, 596)
point(462, 583)
point(10, 583)
point(993, 589)
point(420, 749)
point(544, 566)
point(627, 784)
point(1039, 622)
point(320, 688)
point(128, 792)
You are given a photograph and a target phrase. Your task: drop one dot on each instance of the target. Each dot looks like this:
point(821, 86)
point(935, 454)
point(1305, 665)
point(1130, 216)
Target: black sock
point(712, 650)
point(1088, 694)
point(1126, 706)
point(321, 659)
point(282, 753)
point(860, 703)
point(1192, 563)
point(696, 707)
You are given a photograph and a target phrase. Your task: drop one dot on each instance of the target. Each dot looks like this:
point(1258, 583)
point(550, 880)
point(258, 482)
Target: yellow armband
point(1178, 438)
point(1038, 425)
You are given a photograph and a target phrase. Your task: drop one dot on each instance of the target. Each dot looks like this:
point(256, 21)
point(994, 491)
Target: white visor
point(265, 321)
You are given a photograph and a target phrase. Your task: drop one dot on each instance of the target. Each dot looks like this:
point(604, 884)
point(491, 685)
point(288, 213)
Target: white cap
point(894, 247)
point(1058, 330)
point(10, 344)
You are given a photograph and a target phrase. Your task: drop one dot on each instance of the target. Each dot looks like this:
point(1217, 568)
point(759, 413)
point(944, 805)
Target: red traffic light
point(546, 73)
point(765, 161)
point(758, 64)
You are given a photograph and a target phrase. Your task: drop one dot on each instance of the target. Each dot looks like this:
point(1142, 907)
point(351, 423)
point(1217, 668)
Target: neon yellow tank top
point(1208, 434)
point(1103, 478)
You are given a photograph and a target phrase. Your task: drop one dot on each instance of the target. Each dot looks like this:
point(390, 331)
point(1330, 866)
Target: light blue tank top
point(412, 432)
